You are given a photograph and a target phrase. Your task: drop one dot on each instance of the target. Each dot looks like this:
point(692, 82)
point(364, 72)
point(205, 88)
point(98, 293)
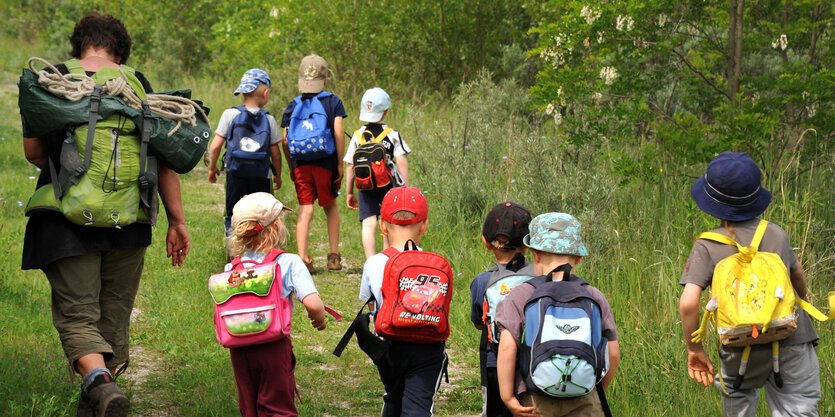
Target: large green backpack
point(107, 178)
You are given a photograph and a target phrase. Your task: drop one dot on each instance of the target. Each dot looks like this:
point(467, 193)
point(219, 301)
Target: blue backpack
point(248, 143)
point(308, 136)
point(564, 353)
point(502, 280)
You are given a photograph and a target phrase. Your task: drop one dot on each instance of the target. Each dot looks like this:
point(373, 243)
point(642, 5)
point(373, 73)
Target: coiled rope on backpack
point(74, 87)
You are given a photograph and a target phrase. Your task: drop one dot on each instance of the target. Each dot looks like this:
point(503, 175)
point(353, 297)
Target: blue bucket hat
point(251, 79)
point(556, 233)
point(730, 189)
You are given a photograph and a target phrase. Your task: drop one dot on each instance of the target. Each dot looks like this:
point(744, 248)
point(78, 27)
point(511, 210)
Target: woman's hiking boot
point(334, 262)
point(103, 398)
point(84, 408)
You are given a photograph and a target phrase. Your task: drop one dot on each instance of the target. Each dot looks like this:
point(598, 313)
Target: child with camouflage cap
point(555, 241)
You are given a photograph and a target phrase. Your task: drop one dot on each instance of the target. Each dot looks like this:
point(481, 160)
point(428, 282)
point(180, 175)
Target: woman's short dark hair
point(101, 31)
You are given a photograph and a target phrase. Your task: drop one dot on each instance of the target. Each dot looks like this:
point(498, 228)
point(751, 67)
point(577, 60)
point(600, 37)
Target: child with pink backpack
point(253, 306)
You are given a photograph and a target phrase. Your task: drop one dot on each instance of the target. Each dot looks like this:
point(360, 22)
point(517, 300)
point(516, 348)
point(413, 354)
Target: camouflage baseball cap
point(556, 233)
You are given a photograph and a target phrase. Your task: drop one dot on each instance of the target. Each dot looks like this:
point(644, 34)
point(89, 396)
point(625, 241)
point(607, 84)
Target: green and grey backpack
point(107, 178)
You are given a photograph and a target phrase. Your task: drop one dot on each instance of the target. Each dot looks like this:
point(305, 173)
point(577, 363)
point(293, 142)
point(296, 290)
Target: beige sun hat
point(262, 208)
point(312, 73)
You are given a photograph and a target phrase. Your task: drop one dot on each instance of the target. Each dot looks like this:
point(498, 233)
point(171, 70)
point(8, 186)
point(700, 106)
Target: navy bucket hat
point(731, 188)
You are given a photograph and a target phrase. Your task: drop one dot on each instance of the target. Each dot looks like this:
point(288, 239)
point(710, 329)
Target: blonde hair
point(500, 242)
point(246, 236)
point(257, 91)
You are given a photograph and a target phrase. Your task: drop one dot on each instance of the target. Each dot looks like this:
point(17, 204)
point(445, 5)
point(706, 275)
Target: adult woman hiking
point(94, 272)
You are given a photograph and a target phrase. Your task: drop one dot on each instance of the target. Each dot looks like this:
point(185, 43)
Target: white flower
point(608, 74)
point(557, 118)
point(782, 42)
point(812, 109)
point(624, 23)
point(274, 12)
point(662, 20)
point(274, 33)
point(597, 96)
point(590, 14)
point(549, 109)
point(599, 37)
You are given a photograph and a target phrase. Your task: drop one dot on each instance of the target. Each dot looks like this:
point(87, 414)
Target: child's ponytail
point(251, 236)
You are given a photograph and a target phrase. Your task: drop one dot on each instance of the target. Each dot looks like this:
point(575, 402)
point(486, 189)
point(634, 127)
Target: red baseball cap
point(404, 199)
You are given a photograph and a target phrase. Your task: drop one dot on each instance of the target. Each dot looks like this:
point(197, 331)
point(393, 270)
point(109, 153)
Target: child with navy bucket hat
point(731, 190)
point(556, 242)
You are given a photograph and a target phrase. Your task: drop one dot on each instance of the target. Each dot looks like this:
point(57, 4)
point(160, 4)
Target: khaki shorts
point(92, 298)
point(585, 406)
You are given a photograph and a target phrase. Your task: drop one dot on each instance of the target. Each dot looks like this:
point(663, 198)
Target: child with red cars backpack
point(504, 227)
point(253, 306)
point(410, 292)
point(376, 157)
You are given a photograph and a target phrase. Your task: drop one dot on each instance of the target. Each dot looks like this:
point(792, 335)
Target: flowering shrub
point(658, 77)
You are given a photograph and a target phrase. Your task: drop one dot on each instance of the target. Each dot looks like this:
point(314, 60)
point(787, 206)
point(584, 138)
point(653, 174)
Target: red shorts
point(314, 182)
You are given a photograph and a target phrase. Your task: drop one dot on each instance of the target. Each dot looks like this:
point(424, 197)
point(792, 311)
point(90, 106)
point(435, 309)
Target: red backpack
point(417, 290)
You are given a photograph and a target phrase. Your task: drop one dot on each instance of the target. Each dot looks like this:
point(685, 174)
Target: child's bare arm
point(214, 153)
point(614, 360)
point(403, 168)
point(339, 141)
point(315, 311)
point(699, 366)
point(506, 372)
point(798, 279)
point(275, 160)
point(287, 155)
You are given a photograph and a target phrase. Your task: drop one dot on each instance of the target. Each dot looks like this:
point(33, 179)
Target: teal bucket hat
point(556, 233)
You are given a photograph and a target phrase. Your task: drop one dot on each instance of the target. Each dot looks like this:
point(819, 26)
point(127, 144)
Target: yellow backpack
point(753, 301)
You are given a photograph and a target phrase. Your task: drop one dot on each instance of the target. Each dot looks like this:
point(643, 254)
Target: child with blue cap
point(252, 139)
point(731, 191)
point(556, 244)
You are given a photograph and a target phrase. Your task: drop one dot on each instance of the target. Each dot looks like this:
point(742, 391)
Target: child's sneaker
point(334, 262)
point(106, 400)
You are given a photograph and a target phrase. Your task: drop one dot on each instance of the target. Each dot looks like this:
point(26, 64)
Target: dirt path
point(144, 363)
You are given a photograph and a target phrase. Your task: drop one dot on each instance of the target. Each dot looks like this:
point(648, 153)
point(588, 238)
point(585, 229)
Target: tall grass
point(469, 153)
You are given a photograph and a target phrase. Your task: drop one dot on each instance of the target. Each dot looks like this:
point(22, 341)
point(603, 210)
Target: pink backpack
point(249, 308)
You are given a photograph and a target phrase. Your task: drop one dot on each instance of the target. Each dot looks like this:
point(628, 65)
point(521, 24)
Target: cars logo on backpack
point(418, 298)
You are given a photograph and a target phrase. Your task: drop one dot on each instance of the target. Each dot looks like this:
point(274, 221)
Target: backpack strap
point(271, 256)
point(566, 272)
point(750, 250)
point(602, 396)
point(390, 251)
point(361, 136)
point(346, 338)
point(146, 182)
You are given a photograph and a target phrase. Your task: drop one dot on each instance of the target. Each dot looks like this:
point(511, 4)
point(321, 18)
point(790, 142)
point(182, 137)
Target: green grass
point(469, 153)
